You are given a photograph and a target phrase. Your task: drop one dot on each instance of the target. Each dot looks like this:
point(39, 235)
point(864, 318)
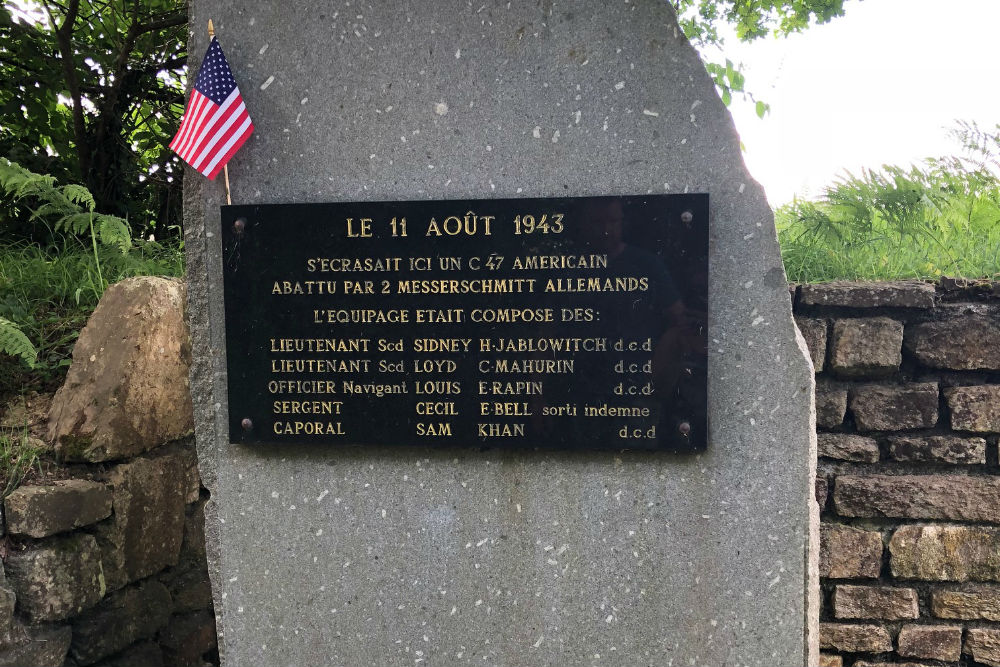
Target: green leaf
point(114, 232)
point(737, 81)
point(80, 195)
point(15, 343)
point(38, 128)
point(77, 223)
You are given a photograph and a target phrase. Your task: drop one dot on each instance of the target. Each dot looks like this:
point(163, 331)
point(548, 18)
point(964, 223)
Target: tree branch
point(119, 70)
point(168, 64)
point(53, 2)
point(21, 66)
point(121, 77)
point(165, 96)
point(64, 39)
point(178, 18)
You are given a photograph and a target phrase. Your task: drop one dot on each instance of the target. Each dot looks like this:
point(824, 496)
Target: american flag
point(216, 122)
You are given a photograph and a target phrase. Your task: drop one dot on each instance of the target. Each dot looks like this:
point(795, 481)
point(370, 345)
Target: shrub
point(47, 292)
point(941, 218)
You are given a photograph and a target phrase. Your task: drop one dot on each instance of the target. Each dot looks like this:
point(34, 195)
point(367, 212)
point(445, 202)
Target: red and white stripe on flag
point(211, 133)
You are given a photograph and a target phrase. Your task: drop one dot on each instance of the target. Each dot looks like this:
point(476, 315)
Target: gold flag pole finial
point(225, 168)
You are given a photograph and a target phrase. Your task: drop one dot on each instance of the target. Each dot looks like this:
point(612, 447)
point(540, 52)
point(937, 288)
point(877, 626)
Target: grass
point(18, 458)
point(938, 219)
point(49, 292)
point(815, 250)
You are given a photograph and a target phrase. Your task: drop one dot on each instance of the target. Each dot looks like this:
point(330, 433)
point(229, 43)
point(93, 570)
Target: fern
point(114, 231)
point(79, 195)
point(77, 223)
point(71, 208)
point(982, 146)
point(15, 343)
point(940, 218)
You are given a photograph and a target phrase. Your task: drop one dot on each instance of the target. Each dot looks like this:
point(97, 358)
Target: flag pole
point(225, 168)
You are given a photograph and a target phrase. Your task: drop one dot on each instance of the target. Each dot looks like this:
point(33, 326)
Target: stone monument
point(351, 555)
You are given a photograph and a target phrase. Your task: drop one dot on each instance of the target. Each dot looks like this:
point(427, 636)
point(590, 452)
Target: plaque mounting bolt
point(246, 424)
point(239, 226)
point(684, 428)
point(687, 217)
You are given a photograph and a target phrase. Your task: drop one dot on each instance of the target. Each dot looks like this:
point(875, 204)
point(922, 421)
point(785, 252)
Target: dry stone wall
point(104, 563)
point(104, 555)
point(908, 482)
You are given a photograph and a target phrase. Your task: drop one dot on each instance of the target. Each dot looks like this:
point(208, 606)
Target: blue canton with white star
point(215, 79)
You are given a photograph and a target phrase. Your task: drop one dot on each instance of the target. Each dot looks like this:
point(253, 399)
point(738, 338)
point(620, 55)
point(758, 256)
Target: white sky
point(882, 84)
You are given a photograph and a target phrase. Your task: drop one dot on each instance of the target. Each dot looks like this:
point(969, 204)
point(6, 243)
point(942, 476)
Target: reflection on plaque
point(566, 323)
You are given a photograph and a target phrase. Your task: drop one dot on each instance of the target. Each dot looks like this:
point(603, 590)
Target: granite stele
point(411, 556)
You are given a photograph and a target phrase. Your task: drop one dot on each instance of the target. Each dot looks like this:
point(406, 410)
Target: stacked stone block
point(908, 482)
point(105, 564)
point(105, 554)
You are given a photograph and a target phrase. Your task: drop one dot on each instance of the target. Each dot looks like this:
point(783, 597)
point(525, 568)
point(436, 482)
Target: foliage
point(982, 147)
point(941, 218)
point(18, 455)
point(50, 292)
point(47, 292)
point(70, 208)
point(15, 343)
point(92, 90)
point(750, 19)
point(729, 79)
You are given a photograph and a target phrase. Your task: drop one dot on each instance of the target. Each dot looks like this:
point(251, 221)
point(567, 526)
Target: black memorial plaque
point(566, 323)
